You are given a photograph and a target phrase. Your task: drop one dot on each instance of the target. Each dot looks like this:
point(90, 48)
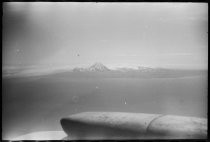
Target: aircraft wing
point(121, 125)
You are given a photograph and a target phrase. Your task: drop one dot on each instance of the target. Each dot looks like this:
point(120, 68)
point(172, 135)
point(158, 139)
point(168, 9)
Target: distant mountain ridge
point(99, 67)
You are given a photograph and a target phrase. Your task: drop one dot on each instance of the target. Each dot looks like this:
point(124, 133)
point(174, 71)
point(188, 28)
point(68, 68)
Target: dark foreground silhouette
point(121, 125)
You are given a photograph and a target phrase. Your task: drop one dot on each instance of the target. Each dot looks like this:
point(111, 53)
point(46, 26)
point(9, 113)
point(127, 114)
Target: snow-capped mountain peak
point(95, 67)
point(98, 67)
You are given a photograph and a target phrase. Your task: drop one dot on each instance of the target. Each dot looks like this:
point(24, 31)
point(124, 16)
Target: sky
point(43, 35)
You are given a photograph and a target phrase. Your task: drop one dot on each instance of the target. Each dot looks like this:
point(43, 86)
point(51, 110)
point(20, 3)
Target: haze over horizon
point(61, 58)
point(42, 35)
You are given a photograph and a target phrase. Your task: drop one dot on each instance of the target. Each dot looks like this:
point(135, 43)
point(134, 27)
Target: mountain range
point(95, 67)
point(98, 69)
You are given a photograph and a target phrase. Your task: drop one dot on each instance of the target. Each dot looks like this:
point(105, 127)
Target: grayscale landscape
point(37, 103)
point(61, 59)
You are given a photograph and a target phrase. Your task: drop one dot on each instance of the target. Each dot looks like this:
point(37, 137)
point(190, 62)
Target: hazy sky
point(115, 34)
